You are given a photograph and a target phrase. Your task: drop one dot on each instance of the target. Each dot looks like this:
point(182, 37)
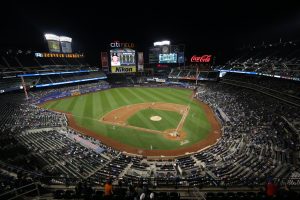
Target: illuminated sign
point(58, 55)
point(202, 59)
point(117, 44)
point(38, 55)
point(123, 69)
point(122, 60)
point(168, 58)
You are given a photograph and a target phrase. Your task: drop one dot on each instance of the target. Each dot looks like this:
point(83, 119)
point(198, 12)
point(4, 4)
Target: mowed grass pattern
point(169, 119)
point(88, 109)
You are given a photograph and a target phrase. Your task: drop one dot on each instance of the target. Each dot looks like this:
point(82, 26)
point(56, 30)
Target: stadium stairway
point(125, 170)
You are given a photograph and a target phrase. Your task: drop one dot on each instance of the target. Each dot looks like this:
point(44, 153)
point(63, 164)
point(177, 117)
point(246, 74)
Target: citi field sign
point(117, 44)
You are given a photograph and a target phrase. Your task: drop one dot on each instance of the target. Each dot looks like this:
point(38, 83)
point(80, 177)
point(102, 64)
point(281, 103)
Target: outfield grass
point(169, 119)
point(88, 109)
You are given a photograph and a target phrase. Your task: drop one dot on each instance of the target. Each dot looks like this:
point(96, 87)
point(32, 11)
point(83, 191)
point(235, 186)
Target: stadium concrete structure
point(75, 126)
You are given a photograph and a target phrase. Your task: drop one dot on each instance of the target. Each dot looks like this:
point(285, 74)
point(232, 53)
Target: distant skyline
point(203, 26)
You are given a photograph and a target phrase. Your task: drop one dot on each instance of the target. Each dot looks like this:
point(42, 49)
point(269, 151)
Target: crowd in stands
point(287, 87)
point(279, 59)
point(257, 135)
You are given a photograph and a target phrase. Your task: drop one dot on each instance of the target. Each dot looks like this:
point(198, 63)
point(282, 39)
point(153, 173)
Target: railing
point(197, 194)
point(21, 191)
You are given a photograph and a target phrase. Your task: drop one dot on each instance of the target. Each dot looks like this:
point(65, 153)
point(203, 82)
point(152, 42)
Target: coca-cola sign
point(202, 59)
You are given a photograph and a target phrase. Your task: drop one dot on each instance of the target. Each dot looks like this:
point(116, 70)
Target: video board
point(153, 54)
point(66, 44)
point(53, 46)
point(122, 60)
point(66, 47)
point(168, 58)
point(53, 43)
point(166, 54)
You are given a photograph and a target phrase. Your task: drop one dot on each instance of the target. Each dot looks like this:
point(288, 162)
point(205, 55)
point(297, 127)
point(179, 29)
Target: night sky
point(203, 26)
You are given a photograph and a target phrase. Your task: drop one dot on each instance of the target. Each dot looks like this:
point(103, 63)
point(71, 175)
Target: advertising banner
point(201, 59)
point(123, 69)
point(140, 61)
point(104, 61)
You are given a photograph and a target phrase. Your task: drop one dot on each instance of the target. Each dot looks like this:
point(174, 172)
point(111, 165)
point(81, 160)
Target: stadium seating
point(260, 138)
point(279, 59)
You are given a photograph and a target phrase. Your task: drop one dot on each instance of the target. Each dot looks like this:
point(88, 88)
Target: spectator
point(151, 195)
point(142, 197)
point(271, 188)
point(108, 190)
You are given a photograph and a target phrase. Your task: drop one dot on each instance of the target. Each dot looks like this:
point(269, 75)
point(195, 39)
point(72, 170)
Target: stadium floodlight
point(65, 39)
point(49, 36)
point(161, 43)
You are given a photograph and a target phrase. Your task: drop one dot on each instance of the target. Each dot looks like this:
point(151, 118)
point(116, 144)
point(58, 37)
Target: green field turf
point(88, 109)
point(169, 120)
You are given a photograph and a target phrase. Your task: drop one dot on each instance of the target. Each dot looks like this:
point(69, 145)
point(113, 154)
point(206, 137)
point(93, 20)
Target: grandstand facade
point(44, 70)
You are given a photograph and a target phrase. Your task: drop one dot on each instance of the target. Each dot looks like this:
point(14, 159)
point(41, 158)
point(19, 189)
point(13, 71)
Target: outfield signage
point(123, 69)
point(58, 55)
point(201, 59)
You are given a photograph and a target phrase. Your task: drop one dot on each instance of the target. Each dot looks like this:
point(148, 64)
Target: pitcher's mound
point(155, 118)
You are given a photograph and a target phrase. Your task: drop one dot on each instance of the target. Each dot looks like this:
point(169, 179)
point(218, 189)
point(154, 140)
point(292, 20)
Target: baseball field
point(148, 121)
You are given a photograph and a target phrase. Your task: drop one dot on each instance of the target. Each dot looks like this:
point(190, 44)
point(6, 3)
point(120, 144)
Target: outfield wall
point(68, 93)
